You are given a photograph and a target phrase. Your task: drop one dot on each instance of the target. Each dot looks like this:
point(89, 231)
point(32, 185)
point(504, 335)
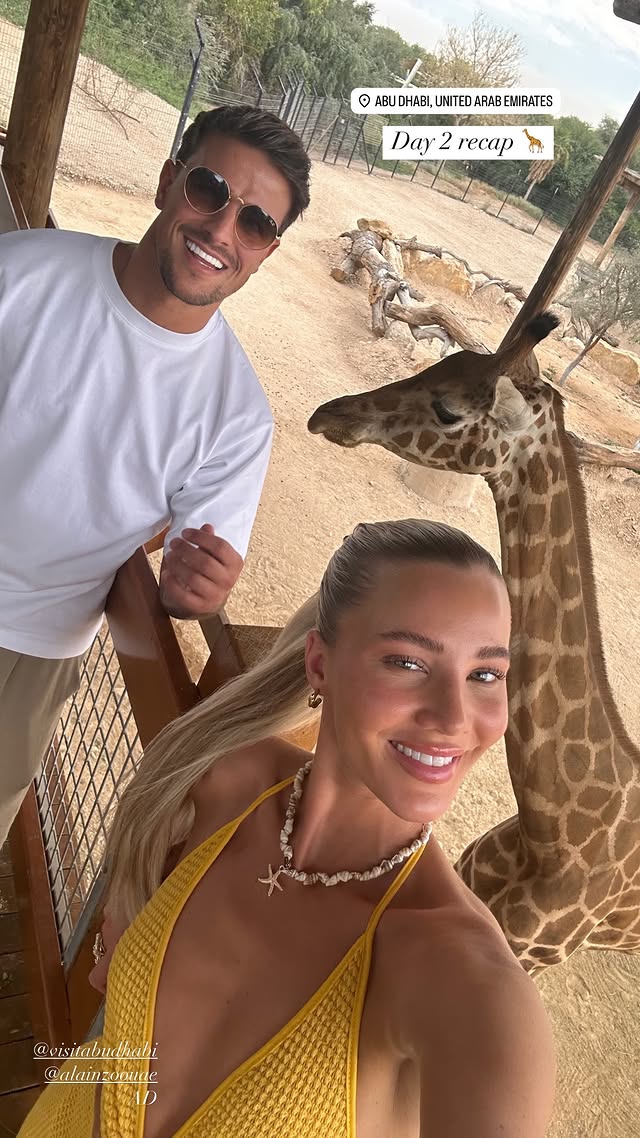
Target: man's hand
point(198, 573)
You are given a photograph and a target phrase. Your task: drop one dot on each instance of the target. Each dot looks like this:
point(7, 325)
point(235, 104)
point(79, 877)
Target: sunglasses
point(208, 193)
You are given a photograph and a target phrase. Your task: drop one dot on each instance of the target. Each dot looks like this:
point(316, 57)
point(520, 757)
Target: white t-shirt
point(110, 427)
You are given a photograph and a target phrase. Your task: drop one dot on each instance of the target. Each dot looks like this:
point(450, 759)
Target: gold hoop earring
point(315, 699)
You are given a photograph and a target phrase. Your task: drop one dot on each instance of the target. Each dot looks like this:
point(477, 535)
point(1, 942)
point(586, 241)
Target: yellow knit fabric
point(301, 1084)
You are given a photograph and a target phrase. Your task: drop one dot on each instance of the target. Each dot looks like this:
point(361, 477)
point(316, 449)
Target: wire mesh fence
point(118, 134)
point(92, 756)
point(332, 133)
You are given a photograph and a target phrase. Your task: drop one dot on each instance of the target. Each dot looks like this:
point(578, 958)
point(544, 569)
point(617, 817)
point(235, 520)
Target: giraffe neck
point(565, 738)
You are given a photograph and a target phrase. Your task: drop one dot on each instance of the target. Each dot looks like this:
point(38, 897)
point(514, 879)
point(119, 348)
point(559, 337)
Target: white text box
point(455, 100)
point(467, 143)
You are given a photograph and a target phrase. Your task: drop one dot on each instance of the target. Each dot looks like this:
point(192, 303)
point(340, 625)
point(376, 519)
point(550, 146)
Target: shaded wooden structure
point(41, 997)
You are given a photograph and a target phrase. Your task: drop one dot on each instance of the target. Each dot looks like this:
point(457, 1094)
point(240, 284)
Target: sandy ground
point(309, 340)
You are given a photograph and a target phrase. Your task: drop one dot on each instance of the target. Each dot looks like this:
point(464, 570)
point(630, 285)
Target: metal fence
point(92, 756)
point(332, 133)
point(118, 135)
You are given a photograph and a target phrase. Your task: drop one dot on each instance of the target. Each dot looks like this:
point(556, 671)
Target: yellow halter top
point(301, 1084)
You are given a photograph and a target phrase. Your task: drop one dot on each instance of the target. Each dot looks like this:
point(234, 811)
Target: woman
point(405, 1014)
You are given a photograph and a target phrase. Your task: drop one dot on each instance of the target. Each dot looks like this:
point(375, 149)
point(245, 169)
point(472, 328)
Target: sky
point(578, 46)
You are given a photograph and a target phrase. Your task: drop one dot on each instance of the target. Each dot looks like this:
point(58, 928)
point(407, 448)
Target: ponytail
point(155, 811)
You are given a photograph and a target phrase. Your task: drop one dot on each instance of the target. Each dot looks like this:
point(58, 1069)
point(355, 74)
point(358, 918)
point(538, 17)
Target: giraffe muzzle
point(334, 422)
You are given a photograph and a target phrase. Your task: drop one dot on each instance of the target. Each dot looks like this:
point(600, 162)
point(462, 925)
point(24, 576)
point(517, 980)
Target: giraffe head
point(464, 413)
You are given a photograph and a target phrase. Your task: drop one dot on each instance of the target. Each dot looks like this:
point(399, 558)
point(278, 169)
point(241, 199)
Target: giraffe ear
point(510, 409)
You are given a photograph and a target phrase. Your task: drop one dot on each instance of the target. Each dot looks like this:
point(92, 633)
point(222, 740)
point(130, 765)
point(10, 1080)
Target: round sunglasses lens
point(256, 229)
point(206, 191)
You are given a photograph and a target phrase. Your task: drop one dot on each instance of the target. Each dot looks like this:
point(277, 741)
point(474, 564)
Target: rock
point(400, 333)
point(425, 354)
point(413, 257)
point(494, 294)
point(443, 487)
point(479, 279)
point(574, 345)
point(381, 227)
point(408, 259)
point(444, 274)
point(624, 365)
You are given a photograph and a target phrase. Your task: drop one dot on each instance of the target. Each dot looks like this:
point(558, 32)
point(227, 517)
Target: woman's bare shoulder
point(237, 779)
point(474, 1019)
point(444, 959)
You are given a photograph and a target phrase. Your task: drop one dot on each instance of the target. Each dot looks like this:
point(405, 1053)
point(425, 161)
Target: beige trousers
point(33, 692)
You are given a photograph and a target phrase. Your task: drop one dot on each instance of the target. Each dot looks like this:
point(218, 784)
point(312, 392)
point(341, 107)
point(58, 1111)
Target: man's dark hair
point(267, 133)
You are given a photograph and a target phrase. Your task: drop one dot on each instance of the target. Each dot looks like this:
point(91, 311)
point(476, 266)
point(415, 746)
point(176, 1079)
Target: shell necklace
point(288, 869)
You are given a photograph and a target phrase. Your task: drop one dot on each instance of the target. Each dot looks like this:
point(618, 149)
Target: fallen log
point(386, 284)
point(597, 454)
point(430, 314)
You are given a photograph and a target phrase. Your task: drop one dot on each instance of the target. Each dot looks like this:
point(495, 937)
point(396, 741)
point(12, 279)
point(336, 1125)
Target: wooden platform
point(19, 1071)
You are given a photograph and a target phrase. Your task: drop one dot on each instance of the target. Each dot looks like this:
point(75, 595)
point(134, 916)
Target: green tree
point(600, 299)
point(606, 129)
point(246, 29)
point(576, 144)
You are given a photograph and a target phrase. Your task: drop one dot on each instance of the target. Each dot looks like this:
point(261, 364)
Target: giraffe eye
point(446, 417)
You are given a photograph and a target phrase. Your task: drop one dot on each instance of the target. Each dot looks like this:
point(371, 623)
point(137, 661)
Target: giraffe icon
point(534, 143)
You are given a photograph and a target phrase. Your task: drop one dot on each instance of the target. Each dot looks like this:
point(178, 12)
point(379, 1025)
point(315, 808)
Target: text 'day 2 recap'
point(467, 143)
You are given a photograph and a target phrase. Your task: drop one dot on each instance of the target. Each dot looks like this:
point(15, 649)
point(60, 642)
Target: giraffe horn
point(536, 330)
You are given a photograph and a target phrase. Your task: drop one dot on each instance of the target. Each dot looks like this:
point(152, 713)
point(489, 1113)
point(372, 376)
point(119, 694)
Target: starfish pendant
point(272, 879)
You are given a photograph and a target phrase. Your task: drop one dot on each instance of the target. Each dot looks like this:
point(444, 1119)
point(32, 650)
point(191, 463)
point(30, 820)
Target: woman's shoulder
point(237, 779)
point(447, 960)
point(457, 935)
point(474, 1024)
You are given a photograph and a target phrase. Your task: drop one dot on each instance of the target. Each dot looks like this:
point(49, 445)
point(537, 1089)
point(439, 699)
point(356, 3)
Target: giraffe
point(565, 871)
point(534, 143)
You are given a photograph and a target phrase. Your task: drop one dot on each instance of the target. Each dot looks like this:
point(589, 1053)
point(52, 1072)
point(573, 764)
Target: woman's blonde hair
point(156, 811)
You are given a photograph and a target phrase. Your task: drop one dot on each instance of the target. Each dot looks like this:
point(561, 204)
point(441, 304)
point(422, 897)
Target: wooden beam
point(45, 974)
point(156, 676)
point(572, 237)
point(618, 227)
point(41, 96)
point(225, 659)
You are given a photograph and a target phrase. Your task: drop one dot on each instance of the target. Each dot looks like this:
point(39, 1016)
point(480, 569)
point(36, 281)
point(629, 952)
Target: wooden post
point(618, 227)
point(571, 239)
point(40, 100)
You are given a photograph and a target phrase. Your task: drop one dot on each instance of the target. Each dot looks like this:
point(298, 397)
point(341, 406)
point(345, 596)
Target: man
point(127, 403)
